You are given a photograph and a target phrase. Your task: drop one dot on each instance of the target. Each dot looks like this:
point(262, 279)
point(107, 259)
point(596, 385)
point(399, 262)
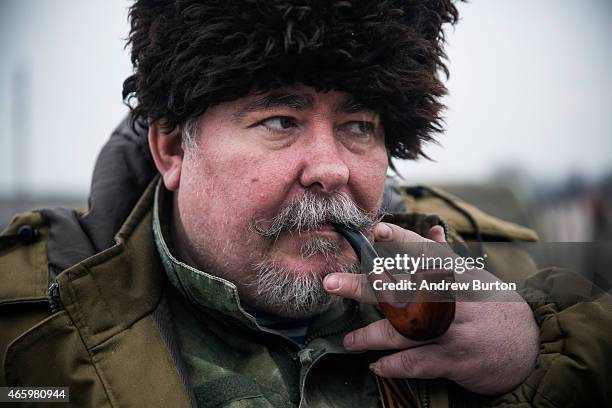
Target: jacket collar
point(102, 294)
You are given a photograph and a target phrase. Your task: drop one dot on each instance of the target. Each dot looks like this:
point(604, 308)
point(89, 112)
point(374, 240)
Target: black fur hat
point(191, 54)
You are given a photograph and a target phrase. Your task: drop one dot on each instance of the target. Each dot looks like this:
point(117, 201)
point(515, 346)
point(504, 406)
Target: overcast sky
point(530, 87)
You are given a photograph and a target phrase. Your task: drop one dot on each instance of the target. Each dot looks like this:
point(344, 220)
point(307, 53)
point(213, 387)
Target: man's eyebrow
point(291, 100)
point(353, 105)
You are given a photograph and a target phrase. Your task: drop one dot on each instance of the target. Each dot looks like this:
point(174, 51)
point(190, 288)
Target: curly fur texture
point(189, 55)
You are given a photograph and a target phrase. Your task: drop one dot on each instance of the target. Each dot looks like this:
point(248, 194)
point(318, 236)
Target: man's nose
point(324, 168)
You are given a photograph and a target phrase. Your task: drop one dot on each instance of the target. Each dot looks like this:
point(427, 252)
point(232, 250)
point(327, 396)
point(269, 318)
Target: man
point(222, 282)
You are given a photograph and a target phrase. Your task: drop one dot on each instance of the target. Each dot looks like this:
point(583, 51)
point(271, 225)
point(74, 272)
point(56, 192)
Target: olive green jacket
point(110, 337)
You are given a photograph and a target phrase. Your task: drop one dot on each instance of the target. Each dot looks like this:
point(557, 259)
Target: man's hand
point(489, 348)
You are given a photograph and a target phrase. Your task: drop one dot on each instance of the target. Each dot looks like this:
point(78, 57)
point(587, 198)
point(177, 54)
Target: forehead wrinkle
point(284, 99)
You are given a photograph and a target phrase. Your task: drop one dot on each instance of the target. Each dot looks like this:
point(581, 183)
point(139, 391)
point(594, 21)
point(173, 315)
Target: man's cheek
point(367, 182)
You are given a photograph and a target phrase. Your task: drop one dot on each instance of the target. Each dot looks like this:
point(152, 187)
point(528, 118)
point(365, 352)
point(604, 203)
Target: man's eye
point(361, 127)
point(279, 122)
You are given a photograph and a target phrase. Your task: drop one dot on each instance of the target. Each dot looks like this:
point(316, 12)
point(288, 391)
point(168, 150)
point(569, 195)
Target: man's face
point(264, 153)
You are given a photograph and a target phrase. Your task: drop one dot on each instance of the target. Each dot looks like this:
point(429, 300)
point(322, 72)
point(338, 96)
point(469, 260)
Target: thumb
point(436, 233)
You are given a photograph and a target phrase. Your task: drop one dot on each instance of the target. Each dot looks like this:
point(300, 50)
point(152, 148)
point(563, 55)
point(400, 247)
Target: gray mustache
point(313, 210)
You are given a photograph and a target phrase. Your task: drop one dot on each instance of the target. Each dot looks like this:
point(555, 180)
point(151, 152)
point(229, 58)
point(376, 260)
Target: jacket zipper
point(425, 396)
point(317, 356)
point(55, 302)
point(424, 399)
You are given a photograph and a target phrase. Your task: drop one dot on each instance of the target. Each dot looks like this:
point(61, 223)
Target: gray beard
point(286, 292)
point(319, 245)
point(298, 294)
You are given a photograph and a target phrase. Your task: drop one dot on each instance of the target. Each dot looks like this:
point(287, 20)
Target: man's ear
point(167, 152)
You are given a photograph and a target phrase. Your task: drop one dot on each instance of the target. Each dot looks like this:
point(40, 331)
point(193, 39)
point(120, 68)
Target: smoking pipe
point(418, 319)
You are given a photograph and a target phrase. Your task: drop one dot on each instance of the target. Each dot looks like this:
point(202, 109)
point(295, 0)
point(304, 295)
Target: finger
point(413, 243)
point(350, 285)
point(429, 361)
point(380, 335)
point(386, 232)
point(436, 233)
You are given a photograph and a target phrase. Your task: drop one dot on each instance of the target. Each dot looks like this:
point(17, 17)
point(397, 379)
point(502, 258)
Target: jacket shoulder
point(465, 218)
point(23, 262)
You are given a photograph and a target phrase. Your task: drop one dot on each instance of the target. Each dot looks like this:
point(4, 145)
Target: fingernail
point(349, 339)
point(439, 230)
point(383, 231)
point(374, 368)
point(332, 283)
